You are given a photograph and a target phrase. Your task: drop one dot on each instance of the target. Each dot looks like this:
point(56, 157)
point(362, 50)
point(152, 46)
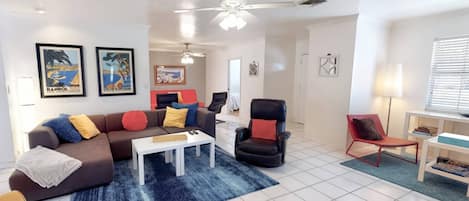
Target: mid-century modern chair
point(385, 142)
point(218, 101)
point(163, 100)
point(267, 153)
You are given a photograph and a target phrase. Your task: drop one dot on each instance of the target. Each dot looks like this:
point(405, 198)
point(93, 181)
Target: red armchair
point(386, 142)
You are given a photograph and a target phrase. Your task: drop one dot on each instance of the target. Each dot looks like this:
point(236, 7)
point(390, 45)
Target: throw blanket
point(47, 167)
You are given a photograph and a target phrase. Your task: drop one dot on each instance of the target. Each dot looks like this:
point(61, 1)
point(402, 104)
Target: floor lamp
point(392, 86)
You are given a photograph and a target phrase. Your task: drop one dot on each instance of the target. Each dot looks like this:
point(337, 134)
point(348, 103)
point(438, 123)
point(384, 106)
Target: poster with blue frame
point(61, 71)
point(116, 71)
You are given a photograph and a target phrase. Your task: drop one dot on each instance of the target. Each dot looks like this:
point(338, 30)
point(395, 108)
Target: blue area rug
point(404, 174)
point(229, 179)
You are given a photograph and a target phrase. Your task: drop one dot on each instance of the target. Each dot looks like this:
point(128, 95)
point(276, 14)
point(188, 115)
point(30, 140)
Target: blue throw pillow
point(64, 129)
point(191, 119)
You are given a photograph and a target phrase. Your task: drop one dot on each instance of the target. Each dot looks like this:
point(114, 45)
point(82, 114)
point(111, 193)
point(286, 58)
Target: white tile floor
point(312, 172)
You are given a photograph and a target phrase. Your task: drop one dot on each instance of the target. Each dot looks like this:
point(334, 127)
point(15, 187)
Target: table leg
point(182, 165)
point(167, 156)
point(467, 192)
point(212, 154)
point(197, 150)
point(423, 161)
point(134, 158)
point(179, 162)
point(141, 170)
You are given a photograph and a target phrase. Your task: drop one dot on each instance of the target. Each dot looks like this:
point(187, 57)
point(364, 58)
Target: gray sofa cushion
point(120, 141)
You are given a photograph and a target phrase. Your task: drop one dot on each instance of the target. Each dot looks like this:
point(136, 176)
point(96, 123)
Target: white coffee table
point(145, 146)
point(196, 140)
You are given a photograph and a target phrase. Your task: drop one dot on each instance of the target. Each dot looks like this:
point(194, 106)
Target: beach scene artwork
point(61, 70)
point(170, 75)
point(116, 71)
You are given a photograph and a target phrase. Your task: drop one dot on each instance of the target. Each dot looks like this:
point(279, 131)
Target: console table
point(427, 167)
point(445, 122)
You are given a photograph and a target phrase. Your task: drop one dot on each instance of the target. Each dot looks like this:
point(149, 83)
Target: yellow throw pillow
point(175, 117)
point(84, 126)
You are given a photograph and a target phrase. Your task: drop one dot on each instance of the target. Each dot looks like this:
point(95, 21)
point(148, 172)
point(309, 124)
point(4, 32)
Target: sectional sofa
point(97, 154)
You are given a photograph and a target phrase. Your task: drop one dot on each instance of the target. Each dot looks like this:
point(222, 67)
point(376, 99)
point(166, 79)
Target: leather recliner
point(266, 153)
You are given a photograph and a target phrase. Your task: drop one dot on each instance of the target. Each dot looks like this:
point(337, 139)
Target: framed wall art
point(170, 75)
point(61, 70)
point(329, 66)
point(116, 71)
point(253, 68)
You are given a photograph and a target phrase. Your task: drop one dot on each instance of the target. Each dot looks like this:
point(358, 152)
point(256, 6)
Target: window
point(449, 81)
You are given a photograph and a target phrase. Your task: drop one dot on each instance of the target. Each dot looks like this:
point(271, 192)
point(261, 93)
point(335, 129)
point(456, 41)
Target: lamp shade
point(392, 81)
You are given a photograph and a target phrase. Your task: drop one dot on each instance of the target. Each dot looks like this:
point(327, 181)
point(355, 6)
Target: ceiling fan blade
point(197, 10)
point(217, 19)
point(198, 54)
point(269, 5)
point(248, 16)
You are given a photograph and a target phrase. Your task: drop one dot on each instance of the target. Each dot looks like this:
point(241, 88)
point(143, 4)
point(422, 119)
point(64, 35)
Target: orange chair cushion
point(264, 129)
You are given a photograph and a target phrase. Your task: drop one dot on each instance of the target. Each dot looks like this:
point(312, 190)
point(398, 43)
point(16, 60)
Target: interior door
point(234, 84)
point(300, 92)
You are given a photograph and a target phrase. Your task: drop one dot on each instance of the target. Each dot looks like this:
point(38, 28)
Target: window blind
point(449, 82)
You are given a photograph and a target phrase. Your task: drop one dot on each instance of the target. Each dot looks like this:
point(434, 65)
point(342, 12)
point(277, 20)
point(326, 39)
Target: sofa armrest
point(44, 136)
point(206, 121)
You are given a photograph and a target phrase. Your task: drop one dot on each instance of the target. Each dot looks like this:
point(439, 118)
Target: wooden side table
point(427, 167)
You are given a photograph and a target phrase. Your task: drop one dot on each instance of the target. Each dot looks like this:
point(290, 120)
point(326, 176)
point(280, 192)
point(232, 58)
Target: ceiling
point(204, 32)
point(169, 30)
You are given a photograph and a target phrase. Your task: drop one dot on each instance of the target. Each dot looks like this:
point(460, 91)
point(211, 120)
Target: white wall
point(280, 69)
point(18, 38)
point(411, 44)
point(370, 56)
point(328, 98)
point(217, 72)
point(6, 142)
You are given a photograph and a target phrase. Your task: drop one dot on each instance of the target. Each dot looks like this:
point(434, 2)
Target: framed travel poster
point(116, 71)
point(170, 75)
point(61, 71)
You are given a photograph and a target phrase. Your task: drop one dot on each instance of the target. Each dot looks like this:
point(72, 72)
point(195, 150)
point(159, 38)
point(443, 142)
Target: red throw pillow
point(264, 129)
point(134, 120)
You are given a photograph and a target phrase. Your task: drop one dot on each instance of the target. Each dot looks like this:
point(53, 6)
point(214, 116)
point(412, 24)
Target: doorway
point(234, 86)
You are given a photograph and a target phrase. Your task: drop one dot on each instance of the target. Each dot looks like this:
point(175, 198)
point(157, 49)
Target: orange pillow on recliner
point(134, 120)
point(264, 129)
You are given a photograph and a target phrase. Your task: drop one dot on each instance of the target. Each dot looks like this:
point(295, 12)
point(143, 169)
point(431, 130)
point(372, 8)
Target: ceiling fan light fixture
point(232, 20)
point(240, 23)
point(187, 59)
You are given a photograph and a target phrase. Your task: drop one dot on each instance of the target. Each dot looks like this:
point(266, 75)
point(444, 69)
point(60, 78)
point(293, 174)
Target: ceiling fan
point(187, 55)
point(231, 10)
